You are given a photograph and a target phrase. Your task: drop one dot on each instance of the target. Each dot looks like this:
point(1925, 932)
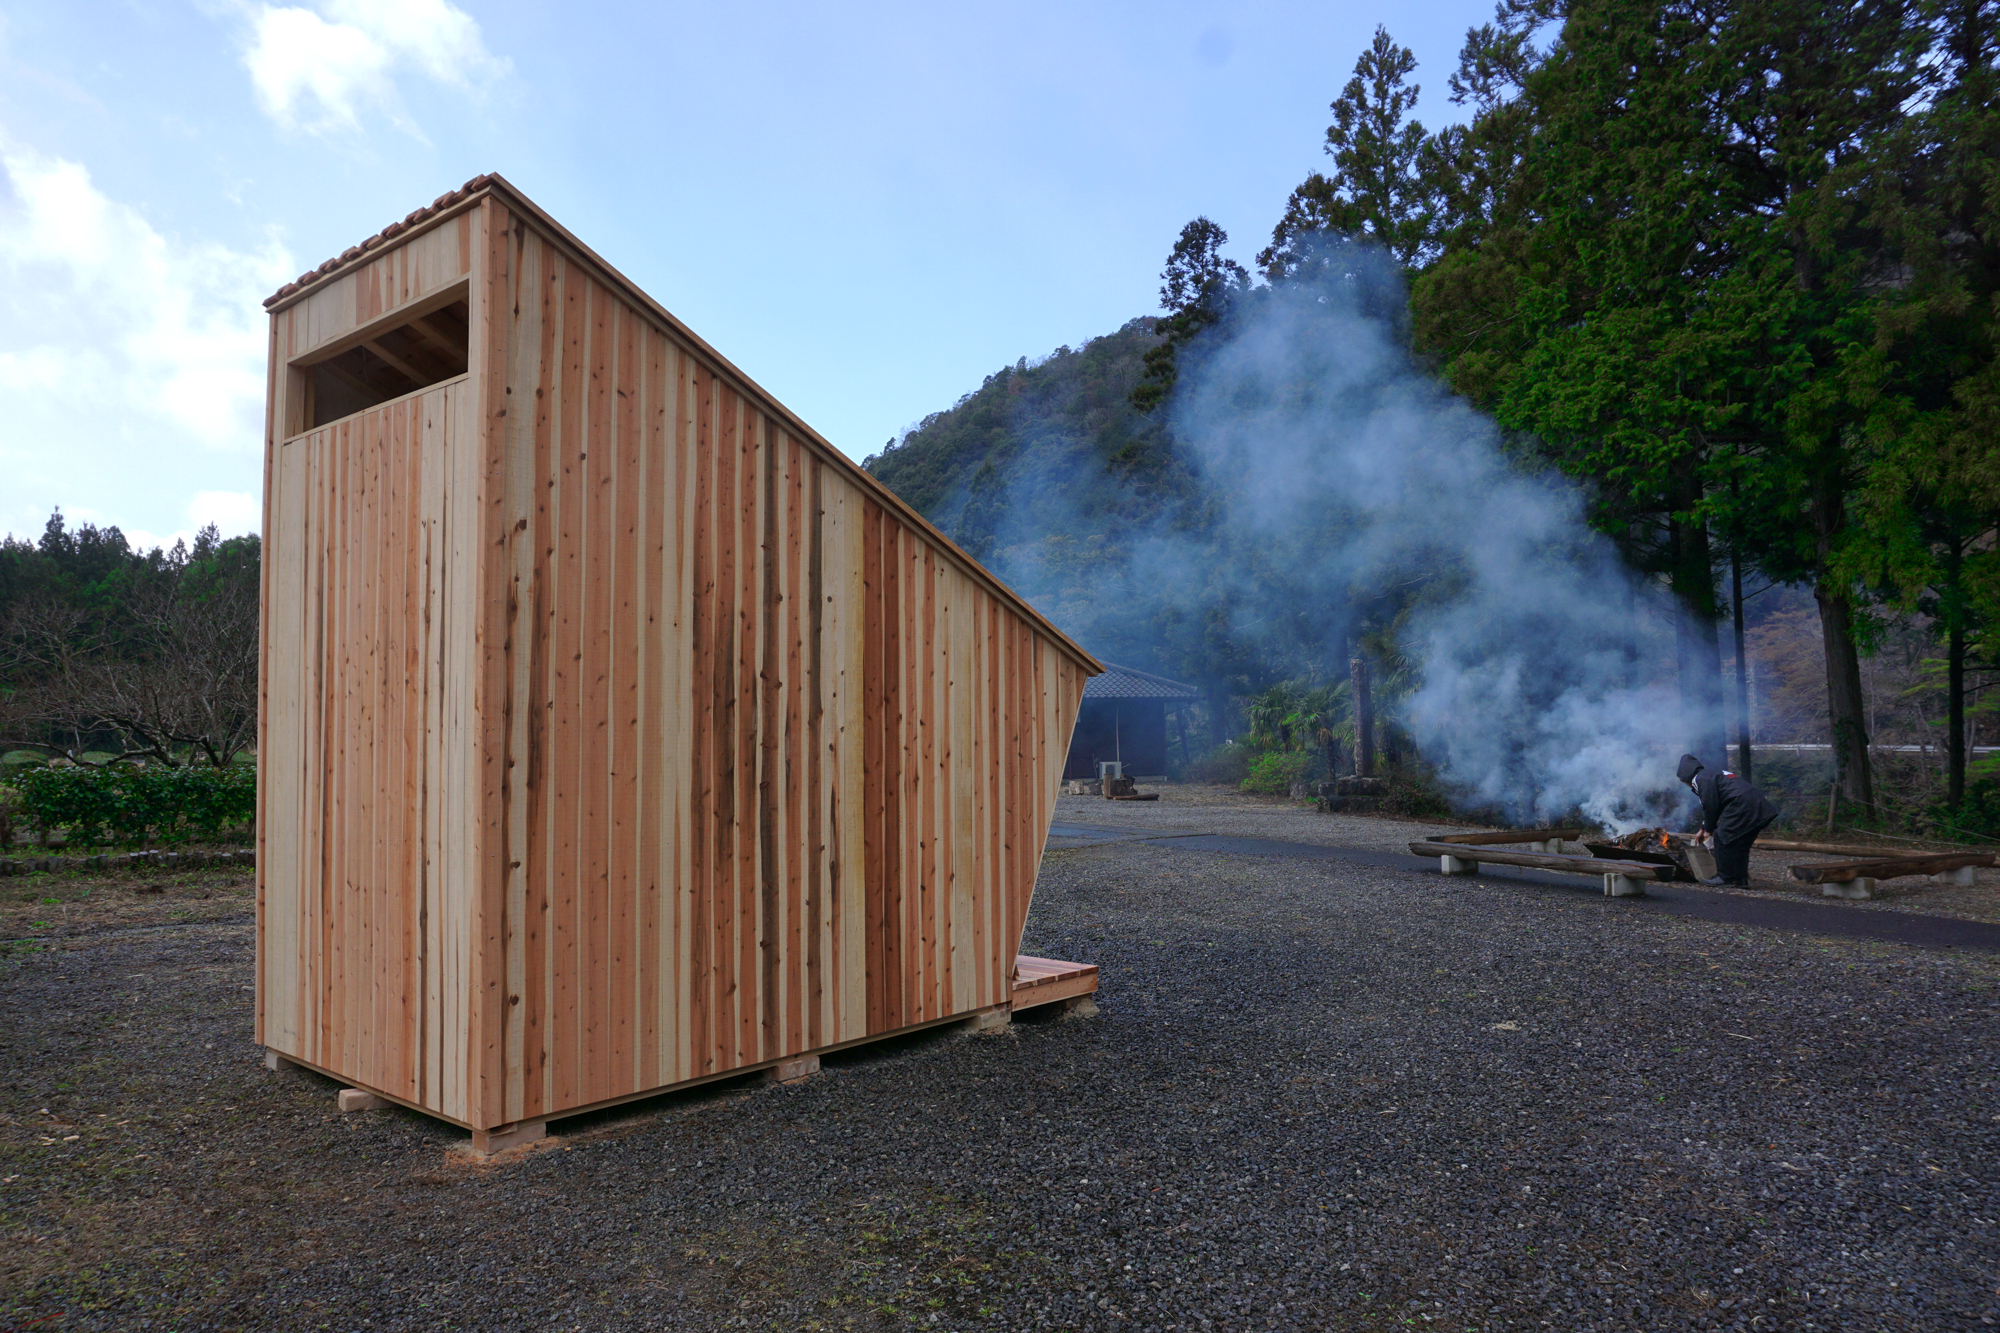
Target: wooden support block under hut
point(618, 733)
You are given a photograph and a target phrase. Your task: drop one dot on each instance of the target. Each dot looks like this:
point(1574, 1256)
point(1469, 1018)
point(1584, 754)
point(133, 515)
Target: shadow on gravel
point(893, 1048)
point(637, 1114)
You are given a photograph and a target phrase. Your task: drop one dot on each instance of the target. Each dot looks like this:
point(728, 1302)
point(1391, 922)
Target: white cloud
point(126, 355)
point(233, 513)
point(318, 68)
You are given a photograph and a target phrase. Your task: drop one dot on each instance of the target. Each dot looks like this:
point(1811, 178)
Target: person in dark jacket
point(1733, 813)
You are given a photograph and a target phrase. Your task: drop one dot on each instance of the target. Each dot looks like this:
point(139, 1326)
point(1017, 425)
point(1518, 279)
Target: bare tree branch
point(183, 686)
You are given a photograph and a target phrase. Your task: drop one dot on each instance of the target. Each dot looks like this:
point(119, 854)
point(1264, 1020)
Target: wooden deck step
point(1046, 980)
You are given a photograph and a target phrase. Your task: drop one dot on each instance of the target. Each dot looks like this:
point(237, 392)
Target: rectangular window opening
point(427, 349)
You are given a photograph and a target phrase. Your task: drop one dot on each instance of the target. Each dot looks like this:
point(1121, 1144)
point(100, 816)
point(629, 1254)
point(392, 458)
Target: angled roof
point(467, 195)
point(1121, 682)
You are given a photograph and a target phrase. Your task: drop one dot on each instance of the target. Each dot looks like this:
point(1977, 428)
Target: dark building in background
point(1124, 719)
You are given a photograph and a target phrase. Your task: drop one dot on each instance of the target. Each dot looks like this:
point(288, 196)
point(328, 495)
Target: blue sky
point(868, 208)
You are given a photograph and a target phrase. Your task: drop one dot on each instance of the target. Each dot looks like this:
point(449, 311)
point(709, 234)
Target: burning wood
point(1654, 845)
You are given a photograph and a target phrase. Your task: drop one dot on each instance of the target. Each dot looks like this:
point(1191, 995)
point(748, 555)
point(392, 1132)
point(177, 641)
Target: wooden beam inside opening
point(349, 378)
point(454, 344)
point(417, 377)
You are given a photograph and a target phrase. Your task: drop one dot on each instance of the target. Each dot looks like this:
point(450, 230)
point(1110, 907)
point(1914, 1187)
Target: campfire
point(1655, 845)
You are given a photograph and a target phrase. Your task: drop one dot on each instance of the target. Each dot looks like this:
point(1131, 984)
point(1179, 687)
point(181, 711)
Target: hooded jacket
point(1731, 809)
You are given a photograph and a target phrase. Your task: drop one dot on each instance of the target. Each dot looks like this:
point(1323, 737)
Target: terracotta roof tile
point(387, 233)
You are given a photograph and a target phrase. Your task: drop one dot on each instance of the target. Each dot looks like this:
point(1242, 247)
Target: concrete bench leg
point(1853, 888)
point(1623, 886)
point(1964, 877)
point(1454, 865)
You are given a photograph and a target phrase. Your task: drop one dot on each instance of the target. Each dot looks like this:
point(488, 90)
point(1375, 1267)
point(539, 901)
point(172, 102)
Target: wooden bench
point(1857, 879)
point(1537, 839)
point(1458, 855)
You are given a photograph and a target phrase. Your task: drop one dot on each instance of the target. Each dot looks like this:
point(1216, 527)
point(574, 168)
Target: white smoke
point(1339, 479)
point(1327, 437)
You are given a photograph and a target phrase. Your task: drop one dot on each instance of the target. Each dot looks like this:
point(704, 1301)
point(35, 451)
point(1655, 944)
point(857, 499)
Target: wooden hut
point(618, 732)
point(1124, 721)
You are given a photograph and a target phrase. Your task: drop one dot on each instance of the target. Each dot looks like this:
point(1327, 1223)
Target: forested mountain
point(1049, 474)
point(1052, 448)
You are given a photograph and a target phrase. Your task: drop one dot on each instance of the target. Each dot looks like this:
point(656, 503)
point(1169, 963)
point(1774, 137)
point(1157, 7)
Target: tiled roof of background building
point(1119, 682)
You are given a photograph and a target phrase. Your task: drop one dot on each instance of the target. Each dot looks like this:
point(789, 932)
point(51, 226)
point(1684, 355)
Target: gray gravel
point(1192, 809)
point(1319, 1095)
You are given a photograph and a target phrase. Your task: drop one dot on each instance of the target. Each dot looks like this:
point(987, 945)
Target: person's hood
point(1689, 767)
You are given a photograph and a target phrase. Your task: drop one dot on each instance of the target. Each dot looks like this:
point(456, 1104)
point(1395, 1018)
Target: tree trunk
point(1697, 645)
point(1364, 720)
point(1951, 609)
point(1845, 702)
point(1745, 764)
point(1953, 606)
point(1954, 789)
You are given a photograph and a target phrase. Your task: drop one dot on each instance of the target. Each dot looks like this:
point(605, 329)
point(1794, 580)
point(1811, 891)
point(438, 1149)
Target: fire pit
point(1657, 846)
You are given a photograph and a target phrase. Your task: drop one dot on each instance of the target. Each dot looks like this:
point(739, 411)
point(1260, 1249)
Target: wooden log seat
point(1573, 865)
point(1548, 840)
point(1858, 878)
point(1622, 879)
point(1888, 867)
point(1504, 837)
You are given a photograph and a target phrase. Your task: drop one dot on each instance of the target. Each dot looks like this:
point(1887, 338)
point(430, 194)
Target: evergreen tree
point(1928, 506)
point(1196, 288)
point(1681, 295)
point(1377, 191)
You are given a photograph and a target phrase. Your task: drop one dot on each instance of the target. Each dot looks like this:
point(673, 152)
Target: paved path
point(1774, 913)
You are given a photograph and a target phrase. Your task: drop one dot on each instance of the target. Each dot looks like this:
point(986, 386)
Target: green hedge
point(1273, 774)
point(1227, 764)
point(1979, 814)
point(126, 806)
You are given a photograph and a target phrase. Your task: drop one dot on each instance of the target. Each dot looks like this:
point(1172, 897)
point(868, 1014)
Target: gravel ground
point(1320, 1095)
point(1188, 808)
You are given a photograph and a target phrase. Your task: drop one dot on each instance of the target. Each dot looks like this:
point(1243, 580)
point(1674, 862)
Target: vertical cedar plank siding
point(612, 737)
point(366, 752)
